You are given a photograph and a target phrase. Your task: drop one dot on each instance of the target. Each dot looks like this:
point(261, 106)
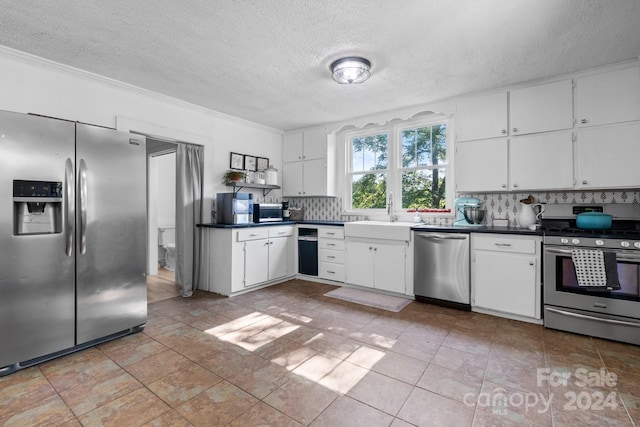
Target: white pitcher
point(527, 215)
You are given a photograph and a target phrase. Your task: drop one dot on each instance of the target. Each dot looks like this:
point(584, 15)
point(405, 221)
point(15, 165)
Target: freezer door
point(111, 232)
point(36, 269)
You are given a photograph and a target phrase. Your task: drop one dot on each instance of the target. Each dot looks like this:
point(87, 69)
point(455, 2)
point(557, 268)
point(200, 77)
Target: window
point(406, 163)
point(369, 162)
point(424, 166)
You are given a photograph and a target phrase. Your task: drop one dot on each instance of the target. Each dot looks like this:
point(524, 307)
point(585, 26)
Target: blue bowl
point(594, 221)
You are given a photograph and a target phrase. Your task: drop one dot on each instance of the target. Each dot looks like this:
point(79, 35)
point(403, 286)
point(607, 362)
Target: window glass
point(369, 191)
point(407, 163)
point(424, 189)
point(369, 152)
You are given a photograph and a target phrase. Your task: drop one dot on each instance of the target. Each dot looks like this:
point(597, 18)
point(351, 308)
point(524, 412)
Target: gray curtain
point(189, 176)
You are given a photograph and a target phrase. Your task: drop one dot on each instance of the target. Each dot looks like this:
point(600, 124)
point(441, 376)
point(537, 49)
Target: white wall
point(166, 195)
point(30, 84)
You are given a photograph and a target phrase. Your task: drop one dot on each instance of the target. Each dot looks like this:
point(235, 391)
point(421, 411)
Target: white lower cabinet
point(376, 264)
point(243, 258)
point(331, 253)
point(506, 275)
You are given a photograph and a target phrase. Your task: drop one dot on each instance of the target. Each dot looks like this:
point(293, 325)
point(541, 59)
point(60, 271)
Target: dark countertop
point(417, 227)
point(272, 224)
point(333, 223)
point(261, 224)
point(478, 229)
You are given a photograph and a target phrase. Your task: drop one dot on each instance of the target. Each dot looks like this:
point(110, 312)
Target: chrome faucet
point(392, 217)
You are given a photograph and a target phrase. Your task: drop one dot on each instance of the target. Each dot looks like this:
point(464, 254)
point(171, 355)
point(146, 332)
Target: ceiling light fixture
point(351, 69)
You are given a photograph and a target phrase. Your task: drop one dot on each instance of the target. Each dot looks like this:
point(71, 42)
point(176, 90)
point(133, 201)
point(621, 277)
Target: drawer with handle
point(280, 231)
point(327, 270)
point(327, 255)
point(252, 233)
point(501, 244)
point(331, 233)
point(336, 245)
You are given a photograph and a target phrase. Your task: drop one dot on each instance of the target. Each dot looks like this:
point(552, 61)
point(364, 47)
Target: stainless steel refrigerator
point(72, 237)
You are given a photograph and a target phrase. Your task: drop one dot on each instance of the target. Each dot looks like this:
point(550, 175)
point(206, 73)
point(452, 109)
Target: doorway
point(161, 207)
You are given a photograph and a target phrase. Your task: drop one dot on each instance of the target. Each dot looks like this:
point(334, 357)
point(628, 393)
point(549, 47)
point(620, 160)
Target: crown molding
point(35, 60)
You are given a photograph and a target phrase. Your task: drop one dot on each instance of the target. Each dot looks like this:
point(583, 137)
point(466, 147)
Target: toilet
point(167, 240)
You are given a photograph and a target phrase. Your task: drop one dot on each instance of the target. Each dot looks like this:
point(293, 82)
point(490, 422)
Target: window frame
point(394, 165)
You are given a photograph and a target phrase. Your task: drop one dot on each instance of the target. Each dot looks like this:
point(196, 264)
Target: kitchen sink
point(379, 230)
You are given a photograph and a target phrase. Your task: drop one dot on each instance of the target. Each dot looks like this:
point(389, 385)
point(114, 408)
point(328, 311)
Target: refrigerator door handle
point(82, 199)
point(69, 212)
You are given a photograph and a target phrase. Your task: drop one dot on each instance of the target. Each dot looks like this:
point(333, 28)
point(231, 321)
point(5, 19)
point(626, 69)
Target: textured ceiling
point(267, 60)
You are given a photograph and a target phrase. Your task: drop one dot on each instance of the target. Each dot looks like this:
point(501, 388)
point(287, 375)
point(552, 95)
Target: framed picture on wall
point(236, 161)
point(249, 163)
point(262, 163)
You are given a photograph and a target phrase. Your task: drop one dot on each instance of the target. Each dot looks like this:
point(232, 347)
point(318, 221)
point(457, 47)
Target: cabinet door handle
point(531, 263)
point(375, 249)
point(333, 244)
point(503, 131)
point(506, 245)
point(304, 157)
point(504, 185)
point(370, 247)
point(330, 234)
point(331, 257)
point(583, 121)
point(515, 185)
point(331, 272)
point(253, 234)
point(584, 182)
point(515, 129)
point(282, 232)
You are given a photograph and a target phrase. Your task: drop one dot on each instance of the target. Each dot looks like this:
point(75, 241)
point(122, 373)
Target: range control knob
point(599, 242)
point(564, 241)
point(636, 245)
point(575, 241)
point(624, 244)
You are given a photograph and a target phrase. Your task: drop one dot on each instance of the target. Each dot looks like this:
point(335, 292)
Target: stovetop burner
point(583, 232)
point(621, 229)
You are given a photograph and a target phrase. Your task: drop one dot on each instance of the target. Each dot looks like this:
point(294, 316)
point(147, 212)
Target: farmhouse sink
point(378, 230)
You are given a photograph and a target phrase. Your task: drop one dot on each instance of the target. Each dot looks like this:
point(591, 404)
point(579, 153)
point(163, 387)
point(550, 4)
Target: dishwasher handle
point(443, 236)
point(308, 238)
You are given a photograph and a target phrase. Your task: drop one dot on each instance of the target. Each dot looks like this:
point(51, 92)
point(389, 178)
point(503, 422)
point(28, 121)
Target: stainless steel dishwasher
point(441, 269)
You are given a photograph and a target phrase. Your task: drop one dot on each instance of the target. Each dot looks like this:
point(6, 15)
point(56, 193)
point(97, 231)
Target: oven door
point(561, 285)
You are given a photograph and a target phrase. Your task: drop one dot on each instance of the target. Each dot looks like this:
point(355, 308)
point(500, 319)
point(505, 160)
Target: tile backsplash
point(506, 205)
point(498, 205)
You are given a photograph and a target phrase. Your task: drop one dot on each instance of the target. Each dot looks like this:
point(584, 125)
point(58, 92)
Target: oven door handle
point(558, 251)
point(599, 319)
point(619, 257)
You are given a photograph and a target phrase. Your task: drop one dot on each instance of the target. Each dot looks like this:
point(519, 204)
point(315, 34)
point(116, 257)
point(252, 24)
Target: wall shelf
point(266, 188)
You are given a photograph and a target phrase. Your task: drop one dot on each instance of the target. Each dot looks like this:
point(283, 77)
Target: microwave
point(234, 208)
point(267, 212)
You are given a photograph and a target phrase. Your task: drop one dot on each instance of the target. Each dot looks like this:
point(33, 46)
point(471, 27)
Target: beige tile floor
point(162, 286)
point(289, 356)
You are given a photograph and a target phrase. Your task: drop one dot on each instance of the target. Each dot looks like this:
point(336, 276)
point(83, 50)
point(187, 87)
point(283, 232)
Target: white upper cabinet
point(541, 162)
point(610, 97)
point(481, 165)
point(305, 171)
point(314, 144)
point(307, 145)
point(292, 147)
point(608, 156)
point(541, 108)
point(482, 117)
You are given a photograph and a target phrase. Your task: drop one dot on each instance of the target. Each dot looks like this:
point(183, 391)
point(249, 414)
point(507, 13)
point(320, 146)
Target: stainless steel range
point(606, 312)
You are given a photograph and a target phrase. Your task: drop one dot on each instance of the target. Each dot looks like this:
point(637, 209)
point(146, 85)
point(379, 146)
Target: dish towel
point(596, 269)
